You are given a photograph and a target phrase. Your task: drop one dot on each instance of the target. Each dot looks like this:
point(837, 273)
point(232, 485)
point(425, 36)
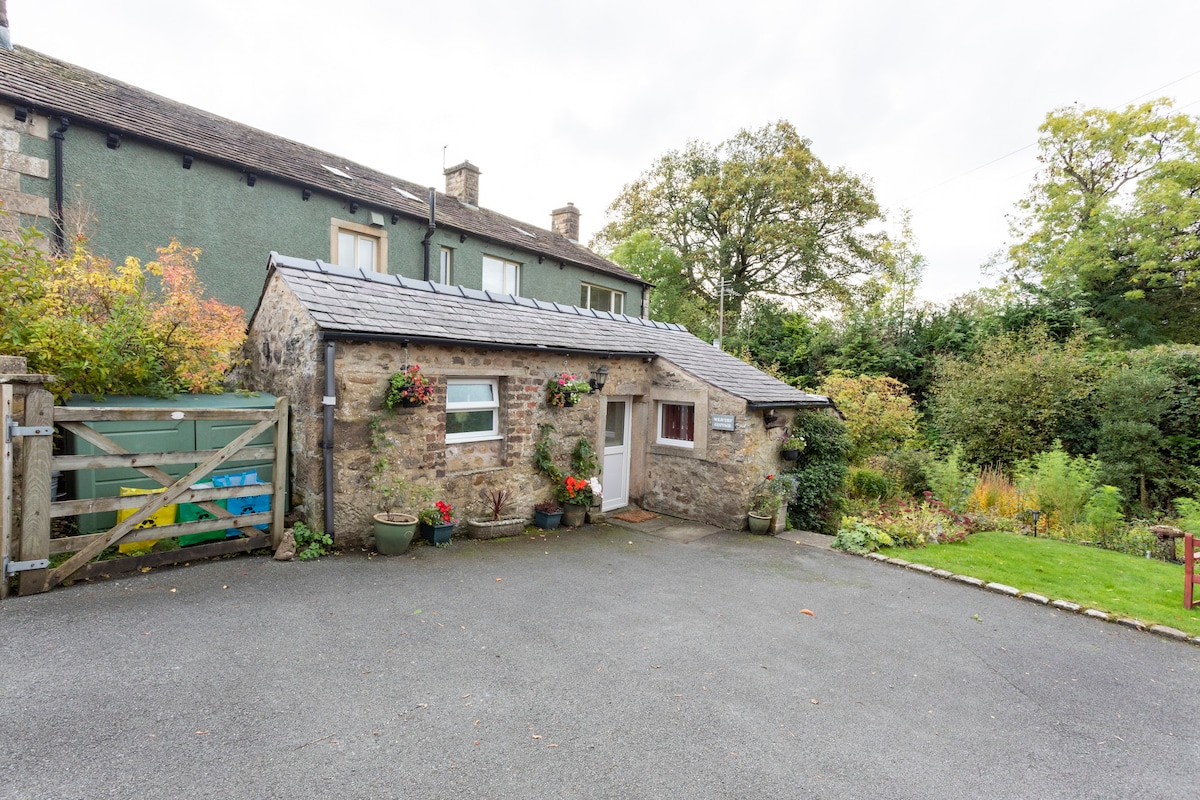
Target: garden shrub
point(820, 472)
point(856, 536)
point(1059, 483)
point(864, 483)
point(1103, 512)
point(994, 494)
point(949, 481)
point(105, 328)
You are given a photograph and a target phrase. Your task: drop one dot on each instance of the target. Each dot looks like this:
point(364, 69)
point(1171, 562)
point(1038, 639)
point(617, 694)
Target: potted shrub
point(394, 529)
point(564, 389)
point(437, 522)
point(408, 389)
point(762, 510)
point(495, 522)
point(576, 495)
point(791, 447)
point(547, 515)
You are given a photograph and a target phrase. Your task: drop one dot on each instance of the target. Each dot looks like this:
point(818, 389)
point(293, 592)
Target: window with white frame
point(501, 276)
point(472, 409)
point(601, 299)
point(445, 265)
point(677, 424)
point(358, 246)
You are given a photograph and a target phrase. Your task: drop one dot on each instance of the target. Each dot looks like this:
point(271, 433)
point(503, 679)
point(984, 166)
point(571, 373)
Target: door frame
point(608, 503)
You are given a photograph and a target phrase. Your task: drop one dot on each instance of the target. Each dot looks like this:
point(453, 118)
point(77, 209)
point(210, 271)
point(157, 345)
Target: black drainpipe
point(429, 232)
point(327, 435)
point(60, 243)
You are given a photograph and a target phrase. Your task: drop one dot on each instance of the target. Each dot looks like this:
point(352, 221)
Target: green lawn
point(1124, 585)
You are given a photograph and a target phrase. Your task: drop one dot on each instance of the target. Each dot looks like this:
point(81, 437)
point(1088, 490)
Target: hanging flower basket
point(565, 389)
point(408, 389)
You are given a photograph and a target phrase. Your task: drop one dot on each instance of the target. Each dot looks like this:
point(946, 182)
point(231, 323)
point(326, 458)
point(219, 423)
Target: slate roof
point(353, 304)
point(58, 88)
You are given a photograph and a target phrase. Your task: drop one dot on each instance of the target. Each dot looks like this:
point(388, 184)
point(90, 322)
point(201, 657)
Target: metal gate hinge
point(13, 567)
point(12, 429)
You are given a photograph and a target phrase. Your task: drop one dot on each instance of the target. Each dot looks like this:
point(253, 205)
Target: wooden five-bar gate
point(26, 544)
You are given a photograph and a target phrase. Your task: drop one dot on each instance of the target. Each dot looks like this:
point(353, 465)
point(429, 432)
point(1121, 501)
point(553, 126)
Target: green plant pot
point(394, 533)
point(437, 534)
point(759, 524)
point(547, 521)
point(573, 514)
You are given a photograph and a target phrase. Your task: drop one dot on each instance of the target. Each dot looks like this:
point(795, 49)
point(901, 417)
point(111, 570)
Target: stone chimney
point(566, 221)
point(462, 183)
point(5, 36)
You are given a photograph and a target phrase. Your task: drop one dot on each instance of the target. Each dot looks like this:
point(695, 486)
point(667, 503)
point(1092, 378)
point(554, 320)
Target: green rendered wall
point(138, 196)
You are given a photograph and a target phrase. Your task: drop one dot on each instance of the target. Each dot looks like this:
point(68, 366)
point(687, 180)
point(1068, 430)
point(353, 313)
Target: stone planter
point(394, 533)
point(546, 520)
point(759, 524)
point(495, 528)
point(573, 514)
point(437, 534)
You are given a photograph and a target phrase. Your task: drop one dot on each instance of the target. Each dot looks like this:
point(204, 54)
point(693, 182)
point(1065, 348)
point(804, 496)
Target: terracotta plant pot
point(573, 514)
point(394, 533)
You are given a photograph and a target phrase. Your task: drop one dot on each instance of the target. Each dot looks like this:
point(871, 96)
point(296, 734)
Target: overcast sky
point(937, 103)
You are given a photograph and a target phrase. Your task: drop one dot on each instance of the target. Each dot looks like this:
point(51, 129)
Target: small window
point(677, 424)
point(445, 265)
point(358, 246)
point(472, 409)
point(602, 299)
point(501, 276)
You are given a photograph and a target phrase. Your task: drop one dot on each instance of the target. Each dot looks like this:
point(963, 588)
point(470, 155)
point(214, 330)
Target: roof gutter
point(826, 403)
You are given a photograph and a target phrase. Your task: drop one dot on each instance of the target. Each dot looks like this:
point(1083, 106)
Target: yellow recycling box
point(164, 516)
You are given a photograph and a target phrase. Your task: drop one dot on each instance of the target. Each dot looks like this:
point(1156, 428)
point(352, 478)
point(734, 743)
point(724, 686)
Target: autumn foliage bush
point(105, 328)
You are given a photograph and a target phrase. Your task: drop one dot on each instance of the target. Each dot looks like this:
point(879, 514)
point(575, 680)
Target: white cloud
point(568, 102)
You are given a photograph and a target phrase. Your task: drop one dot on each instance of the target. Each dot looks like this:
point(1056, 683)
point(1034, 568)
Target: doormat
point(635, 515)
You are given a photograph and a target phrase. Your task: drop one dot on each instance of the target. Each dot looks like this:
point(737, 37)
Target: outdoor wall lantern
point(20, 113)
point(187, 162)
point(353, 208)
point(114, 141)
point(395, 218)
point(598, 379)
point(305, 194)
point(251, 178)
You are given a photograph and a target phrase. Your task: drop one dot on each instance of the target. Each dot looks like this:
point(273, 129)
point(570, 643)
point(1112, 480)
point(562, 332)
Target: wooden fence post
point(6, 485)
point(36, 454)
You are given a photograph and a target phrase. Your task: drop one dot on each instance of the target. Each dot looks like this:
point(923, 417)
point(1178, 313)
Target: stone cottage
point(680, 427)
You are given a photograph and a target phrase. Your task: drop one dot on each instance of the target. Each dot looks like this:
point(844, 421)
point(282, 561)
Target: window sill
point(475, 439)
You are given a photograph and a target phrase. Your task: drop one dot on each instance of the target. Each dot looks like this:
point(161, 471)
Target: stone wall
point(713, 481)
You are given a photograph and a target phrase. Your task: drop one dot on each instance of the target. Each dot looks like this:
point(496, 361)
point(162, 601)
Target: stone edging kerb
point(1062, 605)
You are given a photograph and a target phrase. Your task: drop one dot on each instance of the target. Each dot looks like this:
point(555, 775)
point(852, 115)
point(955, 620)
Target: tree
point(760, 212)
point(879, 414)
point(1014, 397)
point(671, 299)
point(1113, 219)
point(104, 328)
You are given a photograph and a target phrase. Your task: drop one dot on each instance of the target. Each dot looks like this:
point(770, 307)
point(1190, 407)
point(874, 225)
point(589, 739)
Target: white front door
point(616, 454)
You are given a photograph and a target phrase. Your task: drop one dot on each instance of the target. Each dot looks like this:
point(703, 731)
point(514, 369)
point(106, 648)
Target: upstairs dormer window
point(601, 299)
point(501, 276)
point(358, 246)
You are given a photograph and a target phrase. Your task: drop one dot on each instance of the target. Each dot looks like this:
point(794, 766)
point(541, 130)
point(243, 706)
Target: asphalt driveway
point(605, 663)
